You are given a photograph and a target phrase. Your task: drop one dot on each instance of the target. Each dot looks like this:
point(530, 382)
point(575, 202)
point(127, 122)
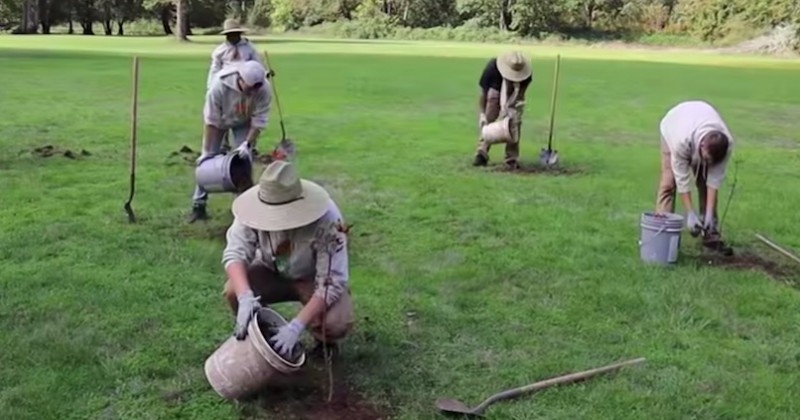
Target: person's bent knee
point(334, 331)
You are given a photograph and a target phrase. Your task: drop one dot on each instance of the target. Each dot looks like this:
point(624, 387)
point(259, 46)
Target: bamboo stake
point(778, 248)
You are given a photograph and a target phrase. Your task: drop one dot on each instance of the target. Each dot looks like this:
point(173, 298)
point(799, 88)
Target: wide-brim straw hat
point(281, 200)
point(231, 26)
point(514, 66)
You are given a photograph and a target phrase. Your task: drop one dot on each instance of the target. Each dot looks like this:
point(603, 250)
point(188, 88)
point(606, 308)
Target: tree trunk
point(182, 22)
point(165, 18)
point(87, 28)
point(44, 16)
point(30, 17)
point(69, 7)
point(120, 32)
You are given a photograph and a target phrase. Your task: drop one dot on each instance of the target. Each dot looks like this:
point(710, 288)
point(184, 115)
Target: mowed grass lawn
point(465, 281)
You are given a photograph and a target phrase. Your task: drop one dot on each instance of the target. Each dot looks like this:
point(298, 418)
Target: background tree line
point(704, 20)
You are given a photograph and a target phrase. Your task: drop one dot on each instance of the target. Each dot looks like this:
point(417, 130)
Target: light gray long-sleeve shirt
point(294, 247)
point(227, 53)
point(682, 128)
point(226, 106)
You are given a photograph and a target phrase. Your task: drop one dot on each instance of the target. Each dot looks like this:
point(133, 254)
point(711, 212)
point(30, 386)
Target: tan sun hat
point(232, 25)
point(281, 200)
point(514, 66)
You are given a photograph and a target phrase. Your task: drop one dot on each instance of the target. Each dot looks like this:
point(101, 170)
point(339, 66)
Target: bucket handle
point(641, 244)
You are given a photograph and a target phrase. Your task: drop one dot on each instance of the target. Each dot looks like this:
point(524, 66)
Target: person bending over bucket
point(273, 255)
point(239, 100)
point(694, 141)
point(503, 84)
point(236, 48)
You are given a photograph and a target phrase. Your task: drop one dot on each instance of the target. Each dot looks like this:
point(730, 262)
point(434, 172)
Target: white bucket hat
point(514, 66)
point(281, 200)
point(251, 72)
point(231, 26)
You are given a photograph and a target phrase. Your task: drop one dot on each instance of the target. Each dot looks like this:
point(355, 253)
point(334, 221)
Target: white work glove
point(248, 305)
point(482, 120)
point(693, 223)
point(244, 151)
point(287, 336)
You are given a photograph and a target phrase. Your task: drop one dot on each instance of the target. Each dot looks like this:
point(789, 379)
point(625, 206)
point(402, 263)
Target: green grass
point(511, 278)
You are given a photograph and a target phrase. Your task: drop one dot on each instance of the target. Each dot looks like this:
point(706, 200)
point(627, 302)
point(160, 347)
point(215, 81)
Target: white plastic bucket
point(221, 173)
point(240, 368)
point(498, 131)
point(660, 238)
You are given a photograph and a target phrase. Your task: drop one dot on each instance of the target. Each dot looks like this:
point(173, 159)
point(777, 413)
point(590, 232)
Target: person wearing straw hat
point(695, 141)
point(503, 84)
point(273, 255)
point(238, 101)
point(235, 48)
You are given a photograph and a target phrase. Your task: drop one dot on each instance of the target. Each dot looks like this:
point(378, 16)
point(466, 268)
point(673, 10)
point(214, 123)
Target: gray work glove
point(287, 336)
point(709, 224)
point(693, 223)
point(248, 305)
point(244, 151)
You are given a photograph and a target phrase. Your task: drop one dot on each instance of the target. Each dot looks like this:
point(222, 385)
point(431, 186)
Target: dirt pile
point(50, 150)
point(746, 260)
point(537, 169)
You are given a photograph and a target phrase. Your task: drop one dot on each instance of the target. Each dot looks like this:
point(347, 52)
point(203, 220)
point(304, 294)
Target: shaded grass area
point(465, 281)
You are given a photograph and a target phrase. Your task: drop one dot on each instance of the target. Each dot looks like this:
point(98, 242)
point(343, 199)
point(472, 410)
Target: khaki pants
point(272, 288)
point(492, 113)
point(665, 200)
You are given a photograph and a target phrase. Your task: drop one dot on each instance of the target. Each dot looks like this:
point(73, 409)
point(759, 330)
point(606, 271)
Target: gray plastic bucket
point(225, 173)
point(660, 238)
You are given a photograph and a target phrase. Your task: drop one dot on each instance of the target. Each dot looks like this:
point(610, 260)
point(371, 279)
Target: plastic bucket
point(240, 368)
point(497, 132)
point(660, 238)
point(225, 173)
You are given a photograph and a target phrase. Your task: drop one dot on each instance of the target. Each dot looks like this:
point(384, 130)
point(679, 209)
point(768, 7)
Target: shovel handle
point(553, 103)
point(560, 380)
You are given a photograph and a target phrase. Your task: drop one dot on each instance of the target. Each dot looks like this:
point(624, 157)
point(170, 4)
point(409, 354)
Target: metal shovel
point(285, 149)
point(452, 406)
point(549, 156)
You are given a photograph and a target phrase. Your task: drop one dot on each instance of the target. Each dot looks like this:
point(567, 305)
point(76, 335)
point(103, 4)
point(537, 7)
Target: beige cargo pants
point(665, 199)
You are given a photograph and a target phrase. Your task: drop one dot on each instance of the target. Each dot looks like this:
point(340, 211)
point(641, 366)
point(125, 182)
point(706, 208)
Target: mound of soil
point(537, 169)
point(744, 261)
point(50, 150)
point(304, 396)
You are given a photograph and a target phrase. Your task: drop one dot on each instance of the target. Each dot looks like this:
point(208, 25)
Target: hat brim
point(251, 212)
point(234, 30)
point(515, 76)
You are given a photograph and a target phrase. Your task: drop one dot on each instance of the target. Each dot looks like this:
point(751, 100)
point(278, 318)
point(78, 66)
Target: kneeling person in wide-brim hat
point(274, 254)
point(503, 84)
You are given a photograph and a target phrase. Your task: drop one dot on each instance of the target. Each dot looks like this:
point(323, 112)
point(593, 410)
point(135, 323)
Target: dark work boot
point(713, 242)
point(198, 213)
point(480, 160)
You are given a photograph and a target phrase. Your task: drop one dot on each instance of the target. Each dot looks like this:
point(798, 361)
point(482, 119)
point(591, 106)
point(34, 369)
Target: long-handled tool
point(549, 156)
point(134, 111)
point(778, 248)
point(285, 147)
point(451, 406)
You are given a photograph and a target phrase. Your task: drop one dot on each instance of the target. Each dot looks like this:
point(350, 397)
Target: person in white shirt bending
point(695, 141)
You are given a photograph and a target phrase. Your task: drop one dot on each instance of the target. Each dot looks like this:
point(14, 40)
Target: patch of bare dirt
point(304, 396)
point(185, 155)
point(746, 260)
point(537, 169)
point(50, 150)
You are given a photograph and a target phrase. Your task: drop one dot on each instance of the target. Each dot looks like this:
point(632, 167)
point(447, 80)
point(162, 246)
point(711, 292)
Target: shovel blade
point(548, 157)
point(453, 406)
